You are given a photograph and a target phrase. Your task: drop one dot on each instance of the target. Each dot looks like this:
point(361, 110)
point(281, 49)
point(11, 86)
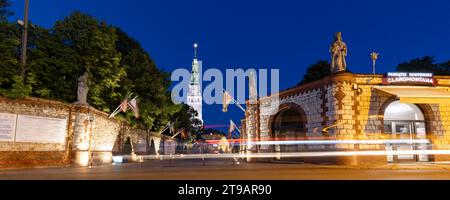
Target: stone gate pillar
point(82, 135)
point(252, 129)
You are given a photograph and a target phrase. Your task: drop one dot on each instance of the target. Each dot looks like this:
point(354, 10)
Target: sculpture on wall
point(83, 89)
point(338, 51)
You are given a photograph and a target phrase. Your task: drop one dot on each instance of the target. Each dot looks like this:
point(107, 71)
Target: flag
point(184, 134)
point(172, 127)
point(134, 107)
point(226, 99)
point(231, 129)
point(124, 105)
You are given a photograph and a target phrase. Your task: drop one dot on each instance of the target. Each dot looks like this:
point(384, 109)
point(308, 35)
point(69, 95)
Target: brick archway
point(283, 107)
point(288, 123)
point(384, 105)
point(425, 108)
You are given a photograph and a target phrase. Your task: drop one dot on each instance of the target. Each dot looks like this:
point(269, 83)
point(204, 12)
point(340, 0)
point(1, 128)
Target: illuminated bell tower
point(194, 97)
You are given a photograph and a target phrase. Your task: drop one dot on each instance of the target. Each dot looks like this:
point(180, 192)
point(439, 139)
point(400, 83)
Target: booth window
point(404, 120)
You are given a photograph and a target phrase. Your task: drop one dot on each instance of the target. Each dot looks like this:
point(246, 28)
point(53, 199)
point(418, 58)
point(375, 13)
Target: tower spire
point(194, 97)
point(195, 50)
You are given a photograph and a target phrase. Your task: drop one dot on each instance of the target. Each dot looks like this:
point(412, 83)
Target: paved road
point(227, 170)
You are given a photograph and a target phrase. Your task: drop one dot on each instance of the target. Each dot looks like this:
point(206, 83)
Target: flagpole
point(116, 110)
point(114, 113)
point(238, 130)
point(165, 128)
point(176, 134)
point(239, 105)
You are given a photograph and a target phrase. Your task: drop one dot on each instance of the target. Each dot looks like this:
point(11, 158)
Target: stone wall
point(94, 136)
point(309, 101)
point(30, 154)
point(141, 141)
point(90, 135)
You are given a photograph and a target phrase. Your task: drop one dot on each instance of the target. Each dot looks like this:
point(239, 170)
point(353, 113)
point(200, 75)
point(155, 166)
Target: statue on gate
point(338, 51)
point(83, 89)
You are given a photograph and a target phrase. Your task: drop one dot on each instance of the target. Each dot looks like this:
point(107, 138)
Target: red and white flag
point(134, 107)
point(184, 134)
point(226, 100)
point(124, 105)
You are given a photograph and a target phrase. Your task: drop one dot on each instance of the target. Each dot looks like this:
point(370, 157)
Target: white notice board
point(41, 129)
point(7, 127)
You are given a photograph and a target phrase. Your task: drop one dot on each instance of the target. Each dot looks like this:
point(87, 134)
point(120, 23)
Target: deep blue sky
point(289, 35)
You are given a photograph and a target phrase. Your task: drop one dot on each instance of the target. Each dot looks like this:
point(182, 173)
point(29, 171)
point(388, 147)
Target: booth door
point(405, 122)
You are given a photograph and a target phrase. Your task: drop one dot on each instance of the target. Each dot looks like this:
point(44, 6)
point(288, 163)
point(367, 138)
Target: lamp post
point(374, 57)
point(23, 56)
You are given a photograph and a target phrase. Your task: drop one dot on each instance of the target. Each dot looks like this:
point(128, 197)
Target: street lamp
point(24, 24)
point(374, 57)
point(20, 22)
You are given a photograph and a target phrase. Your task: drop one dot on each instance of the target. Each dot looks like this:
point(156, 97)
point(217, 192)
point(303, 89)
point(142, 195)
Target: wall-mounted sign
point(34, 129)
point(38, 129)
point(413, 78)
point(170, 147)
point(7, 127)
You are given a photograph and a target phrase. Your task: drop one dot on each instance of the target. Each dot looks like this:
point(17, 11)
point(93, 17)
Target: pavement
point(227, 169)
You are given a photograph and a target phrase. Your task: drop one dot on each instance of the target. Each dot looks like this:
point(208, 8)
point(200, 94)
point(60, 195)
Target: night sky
point(289, 35)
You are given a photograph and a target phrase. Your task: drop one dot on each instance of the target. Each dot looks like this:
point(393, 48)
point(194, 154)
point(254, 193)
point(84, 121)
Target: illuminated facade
point(355, 112)
point(194, 97)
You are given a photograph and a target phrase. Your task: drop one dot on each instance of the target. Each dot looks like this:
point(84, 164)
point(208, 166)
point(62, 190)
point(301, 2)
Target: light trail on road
point(291, 154)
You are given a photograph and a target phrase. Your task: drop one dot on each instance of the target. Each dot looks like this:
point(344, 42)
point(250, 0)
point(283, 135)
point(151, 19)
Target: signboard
point(7, 127)
point(169, 147)
point(414, 78)
point(41, 129)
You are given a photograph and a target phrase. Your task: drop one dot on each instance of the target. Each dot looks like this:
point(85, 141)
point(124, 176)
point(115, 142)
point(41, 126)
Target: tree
point(9, 62)
point(144, 79)
point(425, 64)
point(186, 119)
point(89, 46)
point(444, 68)
point(115, 62)
point(12, 84)
point(5, 12)
point(316, 71)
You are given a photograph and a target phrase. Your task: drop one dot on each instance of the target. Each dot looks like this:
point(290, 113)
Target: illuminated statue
point(338, 51)
point(83, 89)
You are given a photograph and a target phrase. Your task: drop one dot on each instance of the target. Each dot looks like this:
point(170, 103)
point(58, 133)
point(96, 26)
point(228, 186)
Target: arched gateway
point(288, 125)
